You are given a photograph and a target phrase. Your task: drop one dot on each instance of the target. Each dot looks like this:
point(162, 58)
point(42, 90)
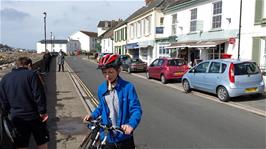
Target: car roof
point(234, 61)
point(169, 58)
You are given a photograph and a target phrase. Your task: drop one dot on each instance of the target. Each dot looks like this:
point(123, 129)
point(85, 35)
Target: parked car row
point(224, 77)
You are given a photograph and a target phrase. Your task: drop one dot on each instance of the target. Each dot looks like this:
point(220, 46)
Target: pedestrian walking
point(22, 96)
point(61, 60)
point(47, 59)
point(119, 105)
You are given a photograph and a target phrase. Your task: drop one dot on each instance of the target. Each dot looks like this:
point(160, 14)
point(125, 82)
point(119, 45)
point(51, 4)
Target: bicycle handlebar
point(97, 122)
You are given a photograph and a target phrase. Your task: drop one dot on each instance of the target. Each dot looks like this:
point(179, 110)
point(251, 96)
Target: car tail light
point(231, 73)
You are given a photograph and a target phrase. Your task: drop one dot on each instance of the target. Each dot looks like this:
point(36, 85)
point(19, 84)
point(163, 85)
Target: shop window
point(216, 52)
point(217, 15)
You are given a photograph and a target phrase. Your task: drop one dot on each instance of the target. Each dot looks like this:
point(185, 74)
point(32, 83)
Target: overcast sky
point(22, 23)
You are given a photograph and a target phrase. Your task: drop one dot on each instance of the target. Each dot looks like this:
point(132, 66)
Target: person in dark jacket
point(60, 60)
point(22, 95)
point(47, 59)
point(119, 105)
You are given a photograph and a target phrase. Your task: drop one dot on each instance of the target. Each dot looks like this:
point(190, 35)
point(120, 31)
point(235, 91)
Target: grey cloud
point(11, 14)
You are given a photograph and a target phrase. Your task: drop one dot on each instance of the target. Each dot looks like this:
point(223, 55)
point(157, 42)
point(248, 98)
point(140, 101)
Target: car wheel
point(163, 80)
point(148, 75)
point(186, 86)
point(128, 70)
point(223, 94)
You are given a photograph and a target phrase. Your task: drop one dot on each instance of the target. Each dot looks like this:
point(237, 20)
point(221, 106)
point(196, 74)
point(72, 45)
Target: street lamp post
point(44, 19)
point(239, 31)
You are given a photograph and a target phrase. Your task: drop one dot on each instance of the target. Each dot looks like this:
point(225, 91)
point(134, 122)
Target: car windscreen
point(246, 68)
point(176, 62)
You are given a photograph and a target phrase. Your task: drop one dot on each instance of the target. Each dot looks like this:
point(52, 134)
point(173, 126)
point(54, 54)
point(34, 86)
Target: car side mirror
point(192, 71)
point(151, 65)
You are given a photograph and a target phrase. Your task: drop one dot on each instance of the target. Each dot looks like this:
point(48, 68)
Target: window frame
point(217, 14)
point(193, 19)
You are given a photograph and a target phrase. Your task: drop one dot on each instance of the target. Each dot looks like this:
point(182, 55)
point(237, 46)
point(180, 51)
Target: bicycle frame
point(92, 140)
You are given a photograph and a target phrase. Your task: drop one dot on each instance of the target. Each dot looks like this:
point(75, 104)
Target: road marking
point(88, 100)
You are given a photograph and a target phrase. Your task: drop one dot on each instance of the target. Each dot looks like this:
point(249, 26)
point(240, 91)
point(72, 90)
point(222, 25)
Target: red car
point(167, 69)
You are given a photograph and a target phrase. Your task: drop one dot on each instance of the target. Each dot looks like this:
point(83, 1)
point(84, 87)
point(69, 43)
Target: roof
point(91, 34)
point(102, 24)
point(59, 41)
point(109, 32)
point(144, 9)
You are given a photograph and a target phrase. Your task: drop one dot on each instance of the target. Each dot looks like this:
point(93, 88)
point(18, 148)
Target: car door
point(198, 77)
point(159, 68)
point(213, 77)
point(151, 69)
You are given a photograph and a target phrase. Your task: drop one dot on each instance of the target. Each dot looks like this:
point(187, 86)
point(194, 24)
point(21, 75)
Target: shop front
point(133, 50)
point(146, 50)
point(195, 51)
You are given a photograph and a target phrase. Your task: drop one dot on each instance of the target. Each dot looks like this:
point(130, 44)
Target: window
point(122, 35)
point(174, 22)
point(193, 20)
point(138, 29)
point(148, 25)
point(259, 11)
point(215, 67)
point(161, 21)
point(160, 63)
point(125, 33)
point(246, 68)
point(217, 15)
point(223, 67)
point(202, 68)
point(264, 55)
point(135, 30)
point(155, 62)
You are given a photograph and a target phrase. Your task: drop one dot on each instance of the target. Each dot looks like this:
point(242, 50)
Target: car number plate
point(178, 73)
point(250, 90)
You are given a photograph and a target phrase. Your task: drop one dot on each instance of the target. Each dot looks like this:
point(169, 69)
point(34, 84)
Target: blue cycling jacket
point(129, 108)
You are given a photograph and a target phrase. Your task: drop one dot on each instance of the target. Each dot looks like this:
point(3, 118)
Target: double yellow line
point(83, 88)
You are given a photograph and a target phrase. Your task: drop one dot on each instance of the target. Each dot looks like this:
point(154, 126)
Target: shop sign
point(132, 46)
point(232, 40)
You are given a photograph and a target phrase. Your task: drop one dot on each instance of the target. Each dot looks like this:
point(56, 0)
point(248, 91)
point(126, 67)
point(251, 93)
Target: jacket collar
point(105, 86)
point(20, 68)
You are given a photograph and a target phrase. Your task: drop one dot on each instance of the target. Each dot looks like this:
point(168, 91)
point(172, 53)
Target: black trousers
point(59, 67)
point(125, 144)
point(47, 66)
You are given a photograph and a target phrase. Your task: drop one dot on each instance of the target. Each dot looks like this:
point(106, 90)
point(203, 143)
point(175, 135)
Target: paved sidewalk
point(65, 111)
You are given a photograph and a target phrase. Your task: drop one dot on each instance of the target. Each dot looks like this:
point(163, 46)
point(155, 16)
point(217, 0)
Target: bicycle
point(6, 127)
point(92, 140)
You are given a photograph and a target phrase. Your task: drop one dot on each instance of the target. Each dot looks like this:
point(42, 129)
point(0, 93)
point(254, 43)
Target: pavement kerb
point(79, 91)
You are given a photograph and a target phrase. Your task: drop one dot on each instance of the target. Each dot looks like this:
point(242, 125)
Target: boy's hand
point(87, 118)
point(44, 117)
point(127, 129)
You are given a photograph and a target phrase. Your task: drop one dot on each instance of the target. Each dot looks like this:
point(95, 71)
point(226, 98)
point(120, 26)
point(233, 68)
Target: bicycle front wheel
point(86, 143)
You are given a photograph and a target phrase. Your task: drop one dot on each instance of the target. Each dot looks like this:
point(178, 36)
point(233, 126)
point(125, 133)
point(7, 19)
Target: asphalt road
point(173, 119)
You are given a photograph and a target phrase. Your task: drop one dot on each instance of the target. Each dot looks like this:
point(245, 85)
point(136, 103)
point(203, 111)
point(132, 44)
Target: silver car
point(225, 77)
